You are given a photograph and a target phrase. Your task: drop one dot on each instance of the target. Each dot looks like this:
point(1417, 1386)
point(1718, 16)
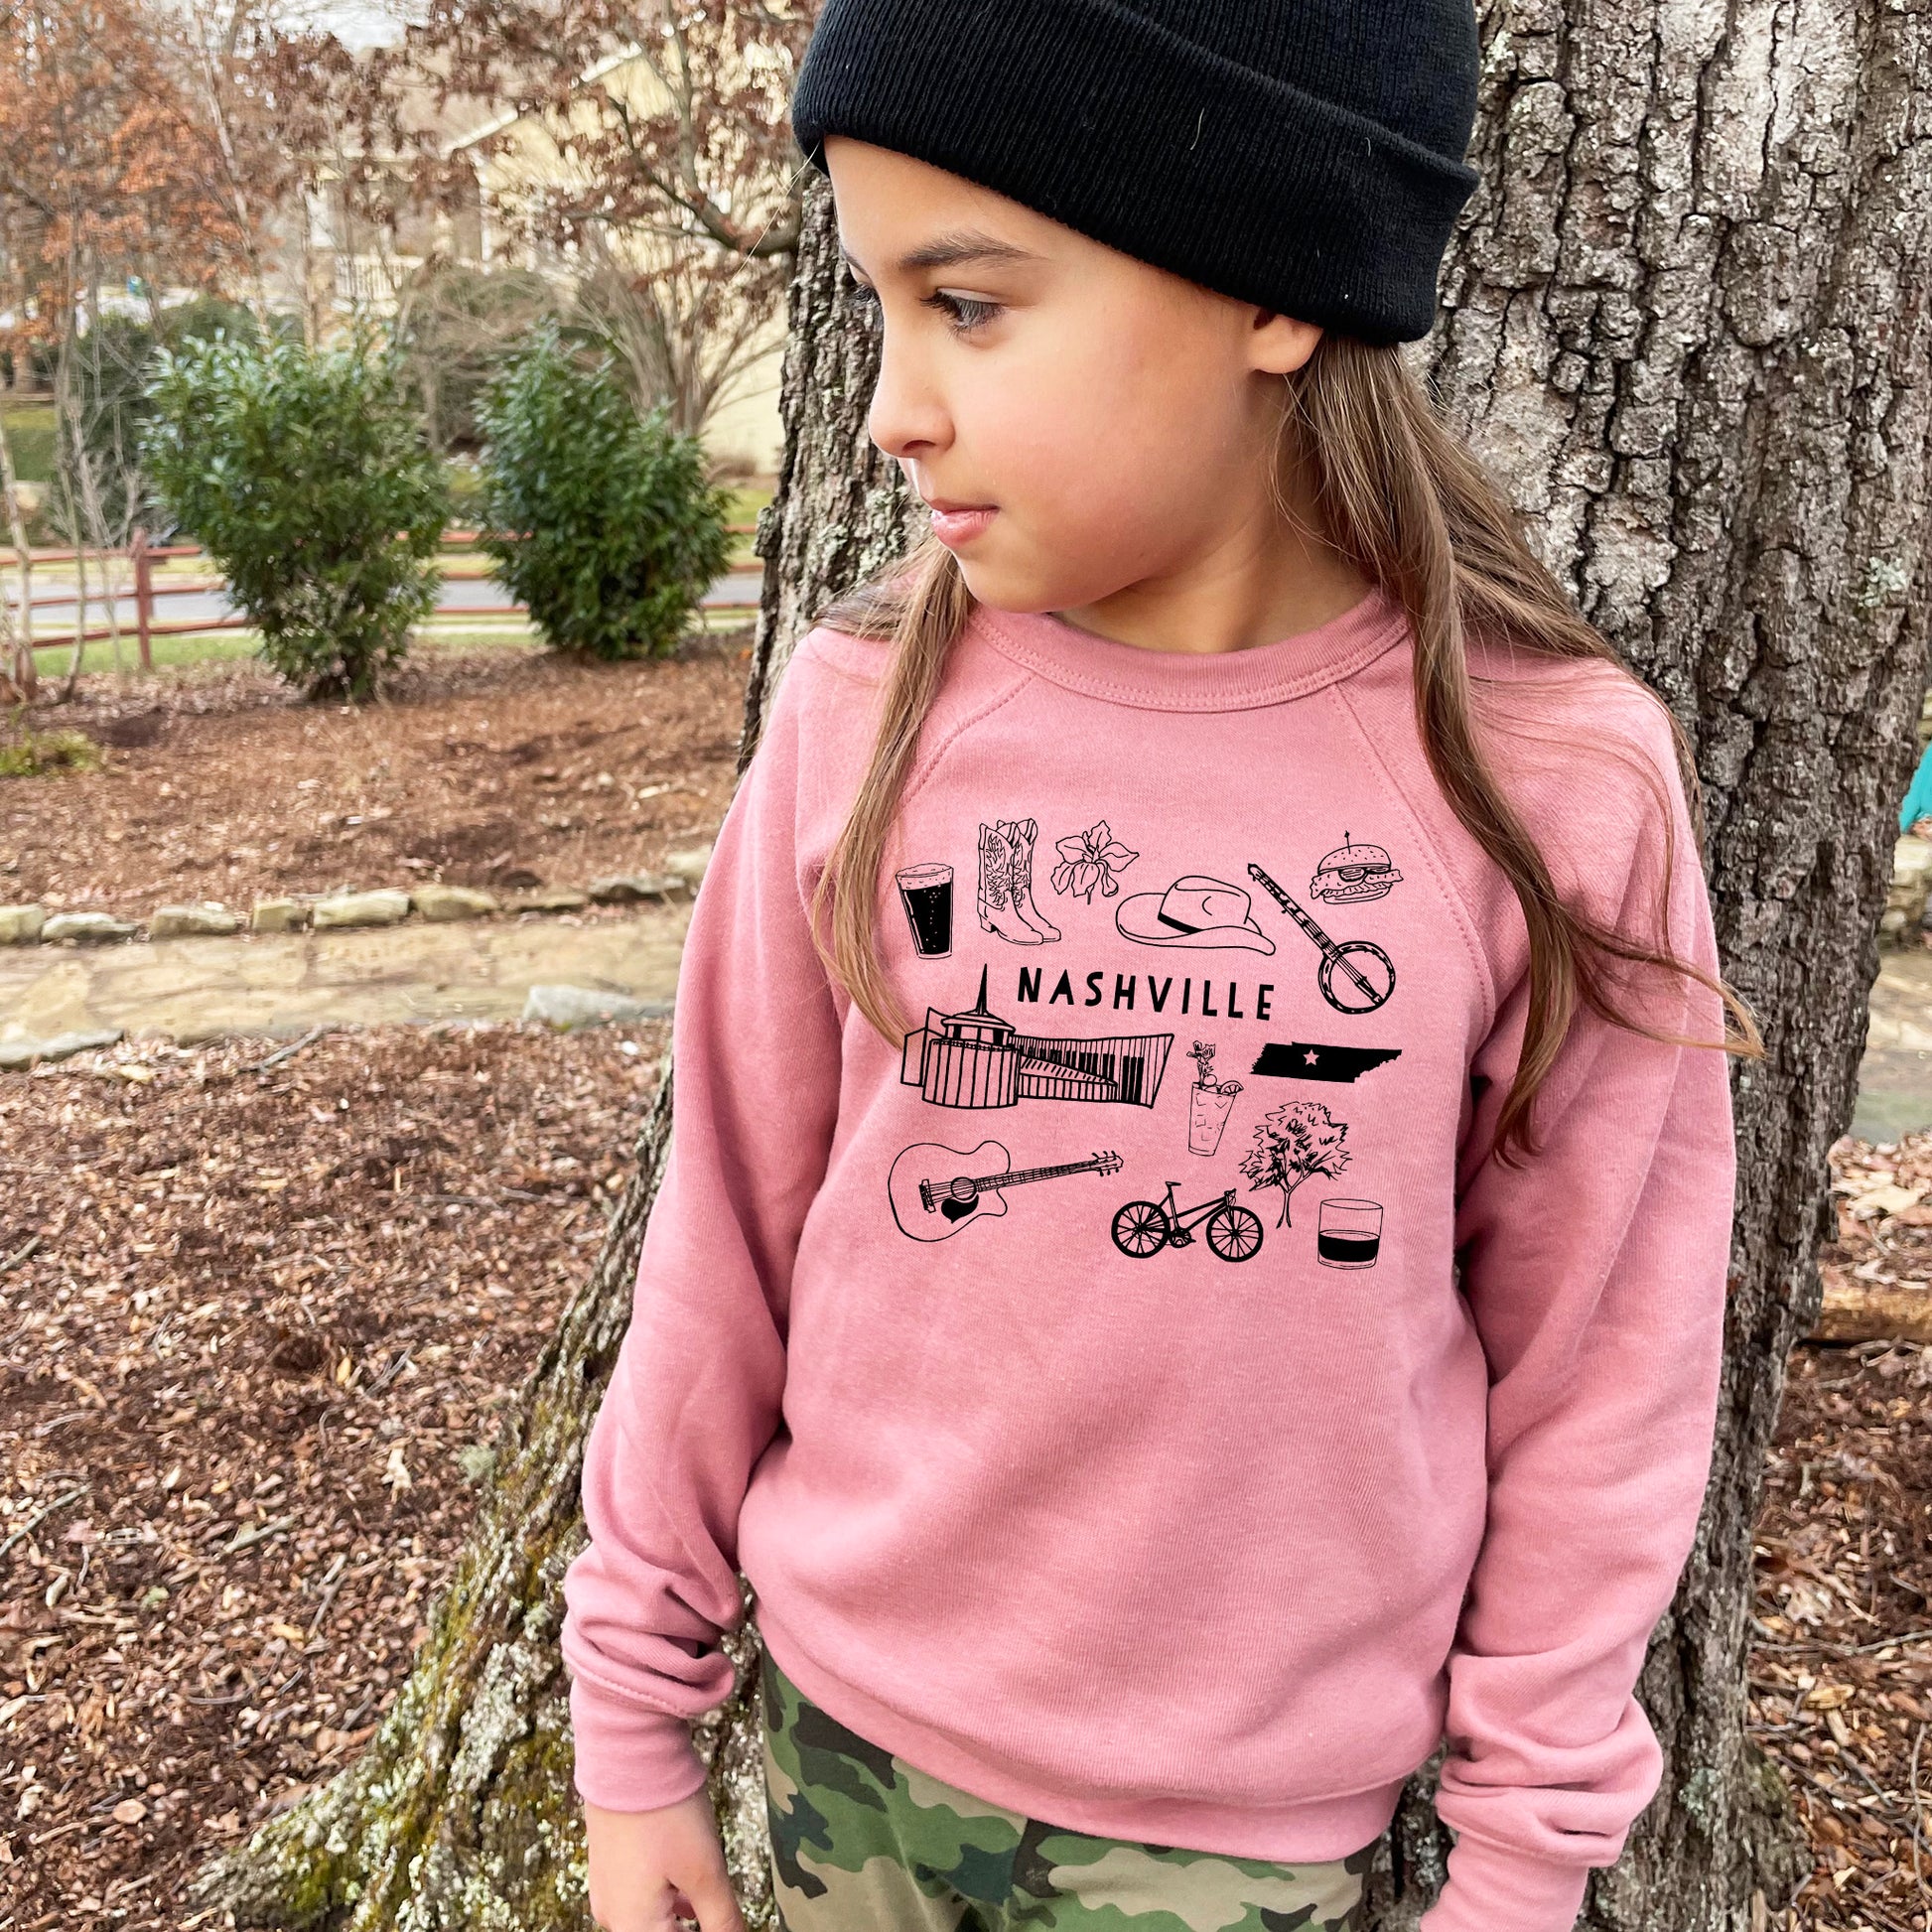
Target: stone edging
point(27, 925)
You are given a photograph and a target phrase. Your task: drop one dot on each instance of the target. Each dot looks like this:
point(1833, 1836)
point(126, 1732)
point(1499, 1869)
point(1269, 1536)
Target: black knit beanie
point(1304, 155)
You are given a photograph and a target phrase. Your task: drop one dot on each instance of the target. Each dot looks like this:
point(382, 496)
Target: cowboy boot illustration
point(997, 911)
point(1021, 834)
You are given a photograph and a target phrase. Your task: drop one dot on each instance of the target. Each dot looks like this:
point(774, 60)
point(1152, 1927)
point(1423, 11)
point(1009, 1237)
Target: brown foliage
point(137, 141)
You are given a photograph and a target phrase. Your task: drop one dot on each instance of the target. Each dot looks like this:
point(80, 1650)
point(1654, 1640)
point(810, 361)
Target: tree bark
point(841, 507)
point(1686, 320)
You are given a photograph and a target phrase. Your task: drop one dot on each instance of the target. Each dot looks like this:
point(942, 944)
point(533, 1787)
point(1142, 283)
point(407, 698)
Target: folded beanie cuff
point(1099, 116)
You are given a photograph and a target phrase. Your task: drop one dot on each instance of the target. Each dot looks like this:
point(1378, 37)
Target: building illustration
point(977, 1058)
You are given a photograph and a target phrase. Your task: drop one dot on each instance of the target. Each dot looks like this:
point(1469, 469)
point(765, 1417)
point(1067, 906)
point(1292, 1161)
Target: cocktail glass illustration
point(1350, 1234)
point(1208, 1101)
point(926, 893)
point(1207, 1113)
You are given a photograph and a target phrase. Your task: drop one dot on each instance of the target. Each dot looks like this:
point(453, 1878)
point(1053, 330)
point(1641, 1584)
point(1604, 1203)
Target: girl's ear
point(1279, 345)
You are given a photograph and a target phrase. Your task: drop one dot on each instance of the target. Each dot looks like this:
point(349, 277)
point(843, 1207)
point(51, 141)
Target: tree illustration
point(1293, 1143)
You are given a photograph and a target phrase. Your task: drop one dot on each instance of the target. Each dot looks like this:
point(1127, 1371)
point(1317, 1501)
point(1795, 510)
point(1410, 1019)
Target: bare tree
point(665, 187)
point(682, 331)
point(18, 634)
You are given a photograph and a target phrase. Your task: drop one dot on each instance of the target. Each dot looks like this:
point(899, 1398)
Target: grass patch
point(170, 653)
point(450, 633)
point(508, 635)
point(187, 650)
point(29, 754)
point(745, 507)
point(30, 431)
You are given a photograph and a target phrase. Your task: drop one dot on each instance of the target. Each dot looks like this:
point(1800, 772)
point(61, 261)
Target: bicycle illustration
point(1144, 1228)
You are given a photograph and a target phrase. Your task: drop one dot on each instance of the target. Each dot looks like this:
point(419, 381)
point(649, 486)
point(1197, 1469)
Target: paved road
point(456, 595)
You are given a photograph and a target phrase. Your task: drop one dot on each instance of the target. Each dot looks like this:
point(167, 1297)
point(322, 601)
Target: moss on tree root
point(461, 1815)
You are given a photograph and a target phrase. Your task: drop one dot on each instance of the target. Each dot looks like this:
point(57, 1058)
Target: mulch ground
point(256, 1326)
point(257, 1323)
point(506, 768)
point(1840, 1674)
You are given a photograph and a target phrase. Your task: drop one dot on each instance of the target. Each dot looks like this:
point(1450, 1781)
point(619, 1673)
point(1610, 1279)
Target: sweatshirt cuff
point(1492, 1888)
point(631, 1757)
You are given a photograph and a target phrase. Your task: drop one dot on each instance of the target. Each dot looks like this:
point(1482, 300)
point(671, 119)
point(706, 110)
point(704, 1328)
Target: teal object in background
point(1918, 800)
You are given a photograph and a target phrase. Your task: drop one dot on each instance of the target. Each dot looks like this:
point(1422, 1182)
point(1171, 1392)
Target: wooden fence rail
point(146, 591)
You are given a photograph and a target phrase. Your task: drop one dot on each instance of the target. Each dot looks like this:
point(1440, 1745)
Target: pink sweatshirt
point(1090, 1391)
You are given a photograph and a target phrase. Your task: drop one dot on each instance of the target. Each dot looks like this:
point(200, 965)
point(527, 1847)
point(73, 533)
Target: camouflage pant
point(860, 1842)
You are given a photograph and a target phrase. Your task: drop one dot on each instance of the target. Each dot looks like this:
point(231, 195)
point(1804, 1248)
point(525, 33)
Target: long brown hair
point(1414, 511)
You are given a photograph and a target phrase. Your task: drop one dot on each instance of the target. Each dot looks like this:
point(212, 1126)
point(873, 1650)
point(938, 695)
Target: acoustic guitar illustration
point(937, 1191)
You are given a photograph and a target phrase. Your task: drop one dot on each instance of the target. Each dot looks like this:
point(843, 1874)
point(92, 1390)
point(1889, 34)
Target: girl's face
point(1104, 423)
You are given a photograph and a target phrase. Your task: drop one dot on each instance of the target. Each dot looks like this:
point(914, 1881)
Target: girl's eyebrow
point(955, 246)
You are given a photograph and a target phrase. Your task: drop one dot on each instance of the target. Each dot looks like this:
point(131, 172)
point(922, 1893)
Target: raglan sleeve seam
point(927, 766)
point(1444, 876)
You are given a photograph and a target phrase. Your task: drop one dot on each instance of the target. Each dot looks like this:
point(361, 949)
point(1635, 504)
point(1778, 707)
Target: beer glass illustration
point(926, 893)
point(1350, 1234)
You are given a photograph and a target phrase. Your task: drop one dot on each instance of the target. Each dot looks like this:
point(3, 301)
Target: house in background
point(704, 329)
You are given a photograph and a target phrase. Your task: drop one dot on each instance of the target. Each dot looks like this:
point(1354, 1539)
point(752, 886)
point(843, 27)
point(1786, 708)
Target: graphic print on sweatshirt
point(989, 1054)
point(1357, 975)
point(1294, 1144)
point(981, 1058)
point(1197, 909)
point(1005, 884)
point(1353, 874)
point(1142, 1228)
point(1209, 1102)
point(925, 897)
point(1306, 1060)
point(1350, 1233)
point(1089, 859)
point(936, 1189)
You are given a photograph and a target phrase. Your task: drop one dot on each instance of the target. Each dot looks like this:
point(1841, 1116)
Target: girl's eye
point(965, 312)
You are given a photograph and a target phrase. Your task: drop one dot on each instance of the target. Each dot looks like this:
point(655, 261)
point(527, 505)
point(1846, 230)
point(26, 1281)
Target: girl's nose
point(908, 416)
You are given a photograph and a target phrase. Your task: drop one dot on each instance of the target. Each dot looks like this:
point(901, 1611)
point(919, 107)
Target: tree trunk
point(1686, 322)
point(841, 507)
point(1686, 318)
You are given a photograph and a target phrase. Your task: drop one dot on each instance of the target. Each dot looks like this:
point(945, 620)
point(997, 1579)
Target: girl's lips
point(961, 526)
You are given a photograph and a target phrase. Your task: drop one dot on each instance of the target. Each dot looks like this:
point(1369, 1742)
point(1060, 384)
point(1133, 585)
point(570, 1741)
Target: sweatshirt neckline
point(1178, 680)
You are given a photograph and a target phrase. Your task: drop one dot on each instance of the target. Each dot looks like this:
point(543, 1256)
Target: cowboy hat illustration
point(1194, 910)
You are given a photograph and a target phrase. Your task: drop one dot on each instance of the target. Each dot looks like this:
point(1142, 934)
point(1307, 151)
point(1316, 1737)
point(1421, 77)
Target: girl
point(1191, 1265)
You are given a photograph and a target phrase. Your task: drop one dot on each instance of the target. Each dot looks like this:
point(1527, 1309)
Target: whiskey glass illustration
point(1350, 1234)
point(925, 892)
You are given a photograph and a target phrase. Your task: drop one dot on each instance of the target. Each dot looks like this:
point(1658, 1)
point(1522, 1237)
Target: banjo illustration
point(1355, 976)
point(937, 1191)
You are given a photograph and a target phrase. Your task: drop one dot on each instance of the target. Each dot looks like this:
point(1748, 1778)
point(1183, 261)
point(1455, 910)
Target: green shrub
point(304, 475)
point(113, 366)
point(601, 520)
point(27, 753)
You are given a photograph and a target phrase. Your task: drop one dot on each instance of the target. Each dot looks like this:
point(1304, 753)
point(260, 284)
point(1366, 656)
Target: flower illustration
point(1089, 859)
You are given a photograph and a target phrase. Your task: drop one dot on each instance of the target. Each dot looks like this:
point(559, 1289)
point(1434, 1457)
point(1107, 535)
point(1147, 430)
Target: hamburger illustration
point(1353, 873)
